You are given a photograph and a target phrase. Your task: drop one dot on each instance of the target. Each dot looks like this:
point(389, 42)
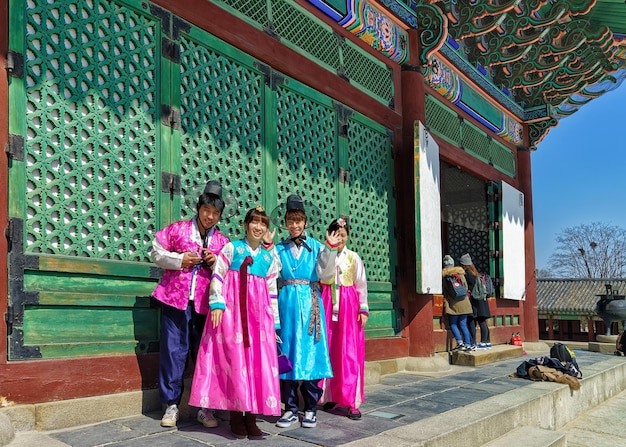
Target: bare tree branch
point(595, 250)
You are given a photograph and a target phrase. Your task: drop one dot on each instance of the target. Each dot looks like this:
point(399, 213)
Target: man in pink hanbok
point(186, 251)
point(345, 304)
point(237, 366)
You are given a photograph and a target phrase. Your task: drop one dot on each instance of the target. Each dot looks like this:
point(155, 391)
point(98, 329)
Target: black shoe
point(329, 406)
point(354, 414)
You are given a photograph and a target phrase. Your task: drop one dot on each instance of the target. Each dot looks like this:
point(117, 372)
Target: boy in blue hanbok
point(303, 330)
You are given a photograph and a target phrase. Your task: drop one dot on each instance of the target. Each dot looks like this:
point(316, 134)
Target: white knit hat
point(448, 261)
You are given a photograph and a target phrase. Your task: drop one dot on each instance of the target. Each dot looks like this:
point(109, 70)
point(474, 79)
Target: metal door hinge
point(270, 30)
point(272, 78)
point(15, 147)
point(17, 349)
point(170, 116)
point(15, 64)
point(170, 183)
point(344, 176)
point(170, 50)
point(8, 233)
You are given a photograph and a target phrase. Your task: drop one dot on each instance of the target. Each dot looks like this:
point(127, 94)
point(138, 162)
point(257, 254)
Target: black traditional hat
point(212, 187)
point(295, 202)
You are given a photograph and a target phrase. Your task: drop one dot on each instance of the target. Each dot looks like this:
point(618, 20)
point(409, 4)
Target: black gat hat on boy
point(213, 188)
point(295, 202)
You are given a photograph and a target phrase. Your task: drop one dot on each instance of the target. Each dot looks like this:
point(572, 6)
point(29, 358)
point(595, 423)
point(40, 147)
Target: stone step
point(484, 356)
point(545, 406)
point(530, 436)
point(604, 348)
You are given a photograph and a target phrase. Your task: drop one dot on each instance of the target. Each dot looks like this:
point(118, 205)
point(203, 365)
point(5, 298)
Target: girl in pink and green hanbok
point(346, 308)
point(237, 365)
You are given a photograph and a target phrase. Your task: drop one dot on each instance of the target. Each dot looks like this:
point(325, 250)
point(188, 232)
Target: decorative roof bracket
point(432, 30)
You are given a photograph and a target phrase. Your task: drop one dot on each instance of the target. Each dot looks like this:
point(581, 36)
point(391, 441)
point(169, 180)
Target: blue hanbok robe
point(304, 340)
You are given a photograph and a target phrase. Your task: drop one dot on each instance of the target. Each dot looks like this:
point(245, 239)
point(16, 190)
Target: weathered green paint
point(60, 324)
point(90, 299)
point(49, 351)
point(87, 266)
point(53, 281)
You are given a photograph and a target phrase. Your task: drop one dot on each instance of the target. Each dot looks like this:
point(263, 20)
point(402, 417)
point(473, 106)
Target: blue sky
point(579, 173)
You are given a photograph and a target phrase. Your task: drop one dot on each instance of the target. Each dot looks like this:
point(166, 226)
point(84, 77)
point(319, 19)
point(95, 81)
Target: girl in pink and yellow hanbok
point(237, 365)
point(346, 308)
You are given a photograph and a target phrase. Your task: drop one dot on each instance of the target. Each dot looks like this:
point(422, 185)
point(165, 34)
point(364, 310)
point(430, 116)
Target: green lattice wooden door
point(372, 209)
point(85, 137)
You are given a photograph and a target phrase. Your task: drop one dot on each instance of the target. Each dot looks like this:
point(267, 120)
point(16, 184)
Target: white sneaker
point(206, 418)
point(287, 419)
point(310, 419)
point(170, 417)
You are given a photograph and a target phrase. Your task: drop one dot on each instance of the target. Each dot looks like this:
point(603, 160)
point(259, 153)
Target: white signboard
point(513, 243)
point(427, 212)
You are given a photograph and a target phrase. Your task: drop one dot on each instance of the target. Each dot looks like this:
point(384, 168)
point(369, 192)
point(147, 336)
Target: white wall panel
point(428, 212)
point(513, 253)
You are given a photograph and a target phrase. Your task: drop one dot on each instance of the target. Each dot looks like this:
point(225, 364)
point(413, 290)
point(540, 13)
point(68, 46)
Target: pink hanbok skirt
point(346, 343)
point(228, 375)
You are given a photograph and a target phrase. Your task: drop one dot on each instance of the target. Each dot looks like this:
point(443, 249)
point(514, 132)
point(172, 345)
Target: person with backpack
point(456, 304)
point(476, 284)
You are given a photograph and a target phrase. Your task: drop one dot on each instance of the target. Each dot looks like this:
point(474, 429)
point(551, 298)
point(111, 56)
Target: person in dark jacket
point(457, 311)
point(480, 308)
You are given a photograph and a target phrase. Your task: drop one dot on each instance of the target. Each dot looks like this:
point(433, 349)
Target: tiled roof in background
point(573, 295)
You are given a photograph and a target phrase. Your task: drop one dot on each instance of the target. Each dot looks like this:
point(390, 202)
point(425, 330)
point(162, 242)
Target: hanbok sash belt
point(315, 322)
point(243, 299)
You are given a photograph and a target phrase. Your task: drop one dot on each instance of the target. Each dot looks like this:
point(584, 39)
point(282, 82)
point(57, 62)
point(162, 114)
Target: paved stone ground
point(399, 399)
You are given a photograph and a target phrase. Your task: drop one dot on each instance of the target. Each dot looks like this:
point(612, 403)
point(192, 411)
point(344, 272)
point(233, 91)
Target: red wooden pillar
point(418, 318)
point(531, 322)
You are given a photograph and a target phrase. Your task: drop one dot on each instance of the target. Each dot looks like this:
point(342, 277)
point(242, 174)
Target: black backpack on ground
point(567, 357)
